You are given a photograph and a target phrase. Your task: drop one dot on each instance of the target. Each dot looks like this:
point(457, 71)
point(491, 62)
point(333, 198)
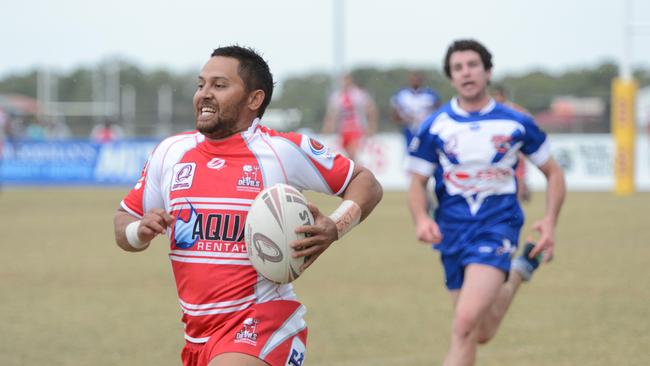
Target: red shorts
point(350, 137)
point(274, 332)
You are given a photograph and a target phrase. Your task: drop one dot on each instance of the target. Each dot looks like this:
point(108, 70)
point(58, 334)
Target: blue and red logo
point(316, 147)
point(502, 143)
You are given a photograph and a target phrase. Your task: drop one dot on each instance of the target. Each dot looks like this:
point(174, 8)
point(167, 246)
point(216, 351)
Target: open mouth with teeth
point(207, 111)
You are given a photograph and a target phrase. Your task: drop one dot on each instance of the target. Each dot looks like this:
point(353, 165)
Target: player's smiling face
point(220, 100)
point(468, 75)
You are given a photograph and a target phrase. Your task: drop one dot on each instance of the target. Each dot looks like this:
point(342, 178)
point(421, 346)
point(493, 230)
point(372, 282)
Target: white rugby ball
point(270, 226)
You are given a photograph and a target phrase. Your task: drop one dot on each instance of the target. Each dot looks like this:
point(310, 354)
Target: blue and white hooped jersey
point(414, 105)
point(473, 156)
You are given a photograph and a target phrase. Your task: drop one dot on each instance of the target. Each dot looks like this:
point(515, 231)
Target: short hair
point(468, 45)
point(253, 70)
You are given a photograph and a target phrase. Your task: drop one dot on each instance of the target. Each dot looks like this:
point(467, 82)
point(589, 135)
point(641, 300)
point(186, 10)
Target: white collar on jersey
point(251, 130)
point(461, 112)
point(254, 124)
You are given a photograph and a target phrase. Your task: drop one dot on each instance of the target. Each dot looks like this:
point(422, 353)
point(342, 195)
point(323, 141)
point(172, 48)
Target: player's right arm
point(141, 215)
point(142, 231)
point(426, 229)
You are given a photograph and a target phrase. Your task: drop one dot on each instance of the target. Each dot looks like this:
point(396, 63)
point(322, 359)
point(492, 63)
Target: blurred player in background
point(106, 131)
point(197, 187)
point(352, 113)
point(412, 105)
point(500, 96)
point(470, 146)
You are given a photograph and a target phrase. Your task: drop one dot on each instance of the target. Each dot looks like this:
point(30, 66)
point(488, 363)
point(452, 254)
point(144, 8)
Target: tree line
point(534, 90)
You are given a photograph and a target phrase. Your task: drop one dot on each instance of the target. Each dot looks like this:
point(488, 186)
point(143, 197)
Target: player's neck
point(473, 104)
point(241, 126)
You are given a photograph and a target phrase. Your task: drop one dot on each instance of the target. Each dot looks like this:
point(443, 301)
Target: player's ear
point(255, 99)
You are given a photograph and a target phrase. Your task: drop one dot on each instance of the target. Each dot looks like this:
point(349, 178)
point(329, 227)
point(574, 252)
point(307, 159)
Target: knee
point(485, 336)
point(464, 325)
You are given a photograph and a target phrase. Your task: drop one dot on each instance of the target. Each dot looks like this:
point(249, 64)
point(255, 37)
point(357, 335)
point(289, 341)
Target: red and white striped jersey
point(209, 186)
point(349, 108)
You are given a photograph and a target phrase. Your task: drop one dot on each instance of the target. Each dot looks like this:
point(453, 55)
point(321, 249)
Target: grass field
point(69, 296)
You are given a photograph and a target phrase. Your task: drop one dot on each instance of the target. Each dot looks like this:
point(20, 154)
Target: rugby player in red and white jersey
point(197, 188)
point(353, 113)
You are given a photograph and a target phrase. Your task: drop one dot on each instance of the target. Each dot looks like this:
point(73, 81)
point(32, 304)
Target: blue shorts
point(490, 247)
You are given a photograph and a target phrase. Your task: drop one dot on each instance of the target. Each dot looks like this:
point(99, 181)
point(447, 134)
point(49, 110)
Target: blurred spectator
point(5, 126)
point(57, 129)
point(412, 105)
point(35, 130)
point(353, 114)
point(106, 131)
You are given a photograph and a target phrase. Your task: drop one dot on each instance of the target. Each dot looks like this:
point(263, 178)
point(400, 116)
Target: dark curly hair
point(468, 45)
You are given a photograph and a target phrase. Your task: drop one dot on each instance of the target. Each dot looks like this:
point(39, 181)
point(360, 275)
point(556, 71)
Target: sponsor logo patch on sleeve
point(317, 151)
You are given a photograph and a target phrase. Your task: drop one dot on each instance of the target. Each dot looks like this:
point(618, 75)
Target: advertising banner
point(74, 162)
point(587, 159)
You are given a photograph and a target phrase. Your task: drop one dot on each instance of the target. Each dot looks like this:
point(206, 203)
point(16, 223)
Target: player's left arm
point(555, 193)
point(360, 197)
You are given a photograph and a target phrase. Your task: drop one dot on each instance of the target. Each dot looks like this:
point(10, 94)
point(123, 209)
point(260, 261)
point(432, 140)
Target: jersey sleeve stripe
point(419, 166)
point(542, 154)
point(348, 178)
point(129, 210)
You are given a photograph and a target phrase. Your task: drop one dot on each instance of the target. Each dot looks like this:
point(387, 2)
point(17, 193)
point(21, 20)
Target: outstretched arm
point(555, 192)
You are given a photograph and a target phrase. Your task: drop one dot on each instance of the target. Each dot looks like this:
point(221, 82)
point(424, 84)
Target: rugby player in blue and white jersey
point(470, 146)
point(412, 105)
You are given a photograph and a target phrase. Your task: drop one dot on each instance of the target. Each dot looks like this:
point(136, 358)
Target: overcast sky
point(296, 36)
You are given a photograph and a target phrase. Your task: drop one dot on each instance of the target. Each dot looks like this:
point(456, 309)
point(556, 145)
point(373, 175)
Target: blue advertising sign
point(74, 162)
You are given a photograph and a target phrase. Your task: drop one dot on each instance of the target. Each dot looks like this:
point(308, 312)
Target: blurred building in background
point(574, 115)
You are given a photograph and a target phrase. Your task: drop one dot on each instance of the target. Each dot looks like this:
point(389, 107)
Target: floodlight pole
point(625, 72)
point(338, 41)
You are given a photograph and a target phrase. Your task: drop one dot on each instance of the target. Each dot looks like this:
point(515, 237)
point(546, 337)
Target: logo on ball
point(266, 249)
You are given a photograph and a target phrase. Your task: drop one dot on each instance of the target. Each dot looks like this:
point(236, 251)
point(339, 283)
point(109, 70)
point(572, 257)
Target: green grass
point(69, 296)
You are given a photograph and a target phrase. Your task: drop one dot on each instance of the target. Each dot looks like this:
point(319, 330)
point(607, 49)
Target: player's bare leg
point(480, 289)
point(521, 271)
point(236, 359)
point(498, 310)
